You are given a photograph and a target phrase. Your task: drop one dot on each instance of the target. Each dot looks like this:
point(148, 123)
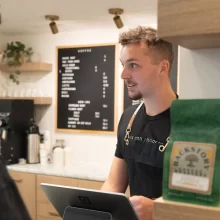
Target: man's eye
point(133, 65)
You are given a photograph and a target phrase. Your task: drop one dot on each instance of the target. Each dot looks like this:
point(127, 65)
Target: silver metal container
point(33, 143)
point(33, 148)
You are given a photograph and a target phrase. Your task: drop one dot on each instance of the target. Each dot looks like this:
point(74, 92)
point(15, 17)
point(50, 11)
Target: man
point(12, 206)
point(138, 160)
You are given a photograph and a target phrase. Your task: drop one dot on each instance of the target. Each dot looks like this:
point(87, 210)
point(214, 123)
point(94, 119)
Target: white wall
point(199, 73)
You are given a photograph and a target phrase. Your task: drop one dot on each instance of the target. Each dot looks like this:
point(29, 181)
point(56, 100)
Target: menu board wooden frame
point(115, 90)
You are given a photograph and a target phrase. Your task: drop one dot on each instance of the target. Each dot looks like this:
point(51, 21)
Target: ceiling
point(28, 16)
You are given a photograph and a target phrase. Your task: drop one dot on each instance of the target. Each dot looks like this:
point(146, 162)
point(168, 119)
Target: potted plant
point(15, 55)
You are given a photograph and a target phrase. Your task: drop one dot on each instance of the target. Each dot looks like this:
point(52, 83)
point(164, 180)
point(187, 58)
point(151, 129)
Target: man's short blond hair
point(161, 49)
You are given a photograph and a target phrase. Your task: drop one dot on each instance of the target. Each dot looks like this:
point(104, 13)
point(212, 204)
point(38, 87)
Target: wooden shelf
point(191, 24)
point(27, 67)
point(169, 210)
point(37, 100)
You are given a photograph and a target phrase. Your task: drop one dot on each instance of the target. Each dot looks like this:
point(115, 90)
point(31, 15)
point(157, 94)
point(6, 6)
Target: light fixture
point(117, 19)
point(53, 25)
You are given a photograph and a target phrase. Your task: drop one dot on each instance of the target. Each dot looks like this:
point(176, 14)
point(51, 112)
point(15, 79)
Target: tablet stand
point(74, 213)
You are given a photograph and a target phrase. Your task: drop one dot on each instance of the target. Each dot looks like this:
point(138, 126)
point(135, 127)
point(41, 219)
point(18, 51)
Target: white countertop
point(81, 171)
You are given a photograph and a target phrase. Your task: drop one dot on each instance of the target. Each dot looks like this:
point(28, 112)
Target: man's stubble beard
point(137, 96)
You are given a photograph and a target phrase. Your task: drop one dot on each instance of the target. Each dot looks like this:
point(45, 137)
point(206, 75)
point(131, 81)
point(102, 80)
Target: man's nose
point(125, 74)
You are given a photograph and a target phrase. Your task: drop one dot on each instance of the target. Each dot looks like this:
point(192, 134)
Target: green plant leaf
point(18, 43)
point(15, 50)
point(10, 54)
point(11, 63)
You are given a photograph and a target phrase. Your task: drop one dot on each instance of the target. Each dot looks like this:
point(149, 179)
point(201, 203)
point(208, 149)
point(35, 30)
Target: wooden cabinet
point(170, 210)
point(26, 183)
point(47, 211)
point(44, 208)
point(90, 184)
point(36, 201)
point(52, 180)
point(190, 23)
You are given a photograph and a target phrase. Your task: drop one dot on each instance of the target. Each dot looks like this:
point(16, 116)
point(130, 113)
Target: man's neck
point(160, 102)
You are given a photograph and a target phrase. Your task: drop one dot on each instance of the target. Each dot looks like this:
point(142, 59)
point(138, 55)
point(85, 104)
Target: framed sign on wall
point(87, 88)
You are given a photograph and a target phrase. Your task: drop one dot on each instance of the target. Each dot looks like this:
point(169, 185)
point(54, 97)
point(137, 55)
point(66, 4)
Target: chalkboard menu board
point(86, 88)
point(173, 78)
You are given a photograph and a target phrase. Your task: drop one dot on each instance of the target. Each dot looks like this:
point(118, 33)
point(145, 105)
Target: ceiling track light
point(117, 19)
point(53, 25)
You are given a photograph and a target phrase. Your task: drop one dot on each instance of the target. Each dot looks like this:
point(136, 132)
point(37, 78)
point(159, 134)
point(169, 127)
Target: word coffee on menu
point(86, 88)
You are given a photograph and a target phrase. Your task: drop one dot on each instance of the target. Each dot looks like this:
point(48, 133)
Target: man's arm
point(117, 180)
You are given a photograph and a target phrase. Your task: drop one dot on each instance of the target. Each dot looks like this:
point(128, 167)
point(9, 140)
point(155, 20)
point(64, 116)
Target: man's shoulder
point(127, 114)
point(130, 110)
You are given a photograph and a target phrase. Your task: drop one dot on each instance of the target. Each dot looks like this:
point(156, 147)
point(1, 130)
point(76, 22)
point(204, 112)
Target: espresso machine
point(15, 116)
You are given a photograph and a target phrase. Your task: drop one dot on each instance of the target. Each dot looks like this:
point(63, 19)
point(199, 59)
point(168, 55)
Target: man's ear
point(165, 66)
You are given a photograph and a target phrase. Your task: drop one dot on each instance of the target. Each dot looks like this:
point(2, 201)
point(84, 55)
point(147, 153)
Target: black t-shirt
point(142, 156)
